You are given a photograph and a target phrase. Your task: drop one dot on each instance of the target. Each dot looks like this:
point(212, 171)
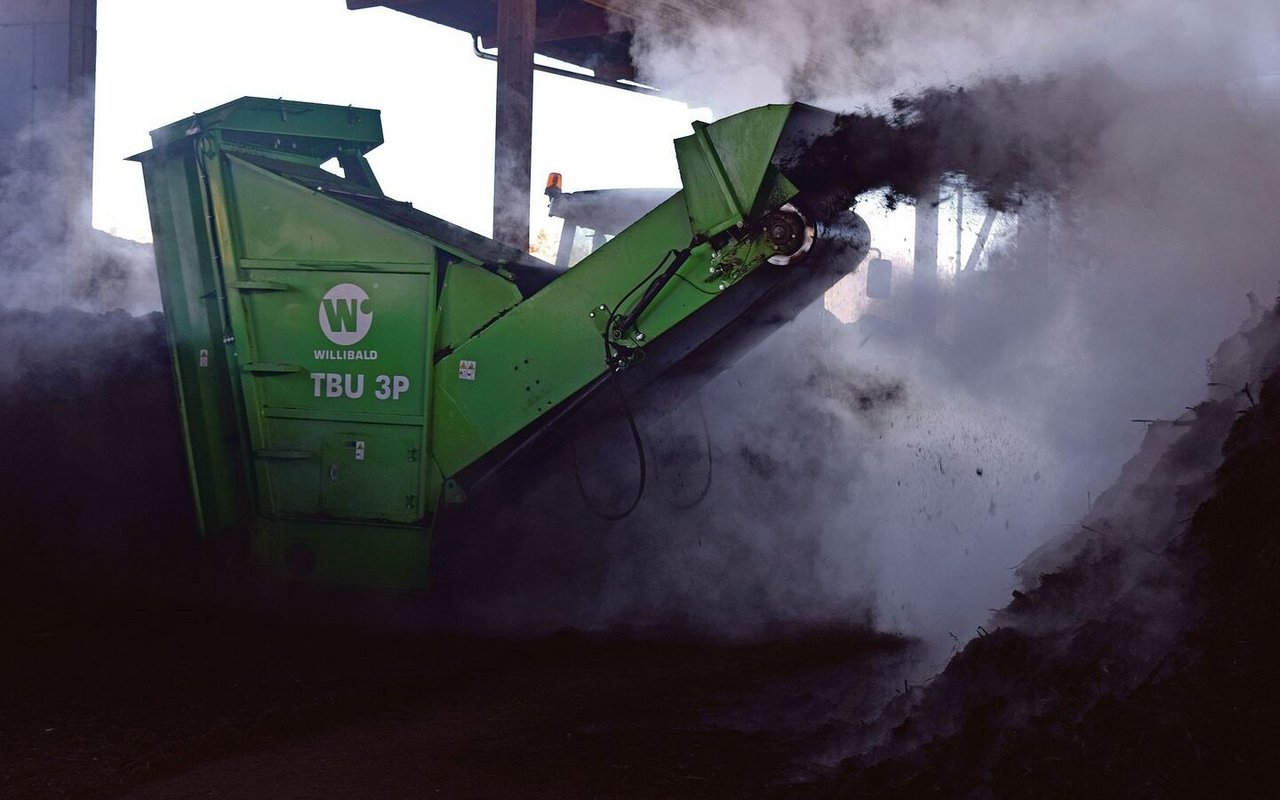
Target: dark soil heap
point(1143, 666)
point(95, 500)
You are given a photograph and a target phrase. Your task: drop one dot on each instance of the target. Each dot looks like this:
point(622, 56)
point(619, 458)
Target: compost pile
point(95, 496)
point(1140, 659)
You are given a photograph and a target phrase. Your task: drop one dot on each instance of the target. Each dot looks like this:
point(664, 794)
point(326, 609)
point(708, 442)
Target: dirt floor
point(162, 705)
point(1138, 662)
point(124, 669)
point(1141, 662)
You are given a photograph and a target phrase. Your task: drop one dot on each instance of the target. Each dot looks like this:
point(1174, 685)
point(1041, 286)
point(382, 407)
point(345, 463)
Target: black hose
point(706, 437)
point(644, 473)
point(611, 357)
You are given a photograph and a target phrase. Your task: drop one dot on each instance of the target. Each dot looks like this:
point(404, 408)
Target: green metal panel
point(376, 556)
point(306, 424)
point(723, 166)
point(192, 301)
point(471, 298)
point(335, 366)
point(306, 129)
point(276, 220)
point(549, 346)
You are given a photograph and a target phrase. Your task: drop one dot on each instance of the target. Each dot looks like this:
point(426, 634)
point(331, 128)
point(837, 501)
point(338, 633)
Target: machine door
point(336, 392)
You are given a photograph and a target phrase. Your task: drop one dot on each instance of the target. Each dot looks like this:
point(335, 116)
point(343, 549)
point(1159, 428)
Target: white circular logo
point(345, 314)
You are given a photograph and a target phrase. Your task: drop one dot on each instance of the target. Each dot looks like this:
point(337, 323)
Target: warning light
point(555, 184)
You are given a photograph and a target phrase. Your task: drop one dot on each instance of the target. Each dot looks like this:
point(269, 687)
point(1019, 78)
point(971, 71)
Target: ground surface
point(194, 706)
point(122, 670)
point(1139, 661)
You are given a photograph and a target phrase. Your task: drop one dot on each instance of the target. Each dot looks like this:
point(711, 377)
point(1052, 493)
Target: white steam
point(903, 476)
point(843, 53)
point(50, 255)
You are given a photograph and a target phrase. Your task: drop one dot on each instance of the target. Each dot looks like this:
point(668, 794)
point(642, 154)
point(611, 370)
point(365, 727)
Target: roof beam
point(681, 12)
point(576, 21)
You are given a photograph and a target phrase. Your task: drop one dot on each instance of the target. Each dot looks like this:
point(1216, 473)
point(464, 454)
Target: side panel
point(194, 316)
point(333, 316)
point(337, 373)
point(508, 377)
point(472, 297)
point(278, 220)
point(723, 165)
point(375, 556)
point(549, 346)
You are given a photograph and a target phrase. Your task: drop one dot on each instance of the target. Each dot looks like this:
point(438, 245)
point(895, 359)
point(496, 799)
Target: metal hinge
point(284, 455)
point(265, 368)
point(259, 286)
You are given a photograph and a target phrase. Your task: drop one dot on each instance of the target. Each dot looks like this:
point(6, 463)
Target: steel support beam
point(47, 63)
point(47, 58)
point(572, 22)
point(924, 272)
point(513, 139)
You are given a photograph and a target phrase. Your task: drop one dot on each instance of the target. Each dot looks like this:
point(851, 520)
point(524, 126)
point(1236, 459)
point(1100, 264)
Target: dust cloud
point(50, 255)
point(845, 53)
point(93, 470)
point(898, 470)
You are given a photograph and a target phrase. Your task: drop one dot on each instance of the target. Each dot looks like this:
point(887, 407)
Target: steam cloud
point(50, 255)
point(86, 397)
point(843, 53)
point(899, 470)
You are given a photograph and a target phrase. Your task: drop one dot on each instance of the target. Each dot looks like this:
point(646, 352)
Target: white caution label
point(466, 370)
point(359, 450)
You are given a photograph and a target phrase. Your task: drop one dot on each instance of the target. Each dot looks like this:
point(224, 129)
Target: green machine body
point(348, 366)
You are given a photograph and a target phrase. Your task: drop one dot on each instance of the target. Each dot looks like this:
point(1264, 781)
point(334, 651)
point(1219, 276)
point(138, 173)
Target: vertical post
point(513, 139)
point(925, 267)
point(47, 62)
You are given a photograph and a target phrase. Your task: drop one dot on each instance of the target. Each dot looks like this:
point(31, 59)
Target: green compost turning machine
point(349, 367)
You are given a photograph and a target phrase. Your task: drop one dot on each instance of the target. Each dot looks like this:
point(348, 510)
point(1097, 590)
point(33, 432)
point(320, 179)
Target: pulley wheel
point(790, 232)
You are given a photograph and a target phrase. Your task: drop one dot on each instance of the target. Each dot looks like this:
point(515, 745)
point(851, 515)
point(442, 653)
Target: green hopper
point(349, 367)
